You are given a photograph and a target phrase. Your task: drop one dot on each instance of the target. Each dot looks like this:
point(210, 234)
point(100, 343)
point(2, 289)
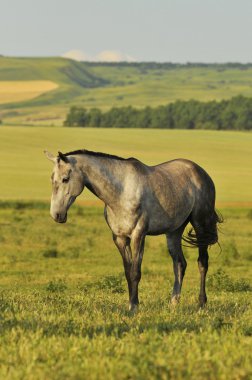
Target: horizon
point(127, 62)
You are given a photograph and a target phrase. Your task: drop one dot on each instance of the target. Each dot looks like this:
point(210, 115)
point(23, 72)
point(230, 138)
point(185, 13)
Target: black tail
point(206, 233)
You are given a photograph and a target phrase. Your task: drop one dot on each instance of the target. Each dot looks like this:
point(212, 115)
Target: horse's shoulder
point(138, 165)
point(133, 159)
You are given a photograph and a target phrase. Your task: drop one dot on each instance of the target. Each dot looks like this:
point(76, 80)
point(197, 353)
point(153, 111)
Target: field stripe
point(15, 91)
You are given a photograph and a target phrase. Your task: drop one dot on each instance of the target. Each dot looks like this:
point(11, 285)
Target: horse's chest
point(121, 222)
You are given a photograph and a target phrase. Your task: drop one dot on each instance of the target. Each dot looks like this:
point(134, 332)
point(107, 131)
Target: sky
point(133, 30)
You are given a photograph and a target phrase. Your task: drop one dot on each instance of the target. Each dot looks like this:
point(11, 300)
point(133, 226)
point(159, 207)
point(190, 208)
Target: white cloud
point(104, 56)
point(113, 56)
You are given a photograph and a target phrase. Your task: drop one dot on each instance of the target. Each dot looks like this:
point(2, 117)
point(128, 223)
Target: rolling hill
point(106, 85)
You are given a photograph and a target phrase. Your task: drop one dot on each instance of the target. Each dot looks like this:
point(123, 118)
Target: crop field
point(16, 91)
point(63, 297)
point(106, 86)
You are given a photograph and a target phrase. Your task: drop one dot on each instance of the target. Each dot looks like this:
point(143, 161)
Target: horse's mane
point(97, 154)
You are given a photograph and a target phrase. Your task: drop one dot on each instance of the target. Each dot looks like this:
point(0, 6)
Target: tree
point(144, 118)
point(77, 117)
point(94, 117)
point(235, 113)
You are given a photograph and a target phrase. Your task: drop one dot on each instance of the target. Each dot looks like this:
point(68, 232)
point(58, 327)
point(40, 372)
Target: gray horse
point(142, 200)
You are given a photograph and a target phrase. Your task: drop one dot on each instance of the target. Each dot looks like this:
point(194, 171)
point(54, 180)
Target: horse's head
point(67, 184)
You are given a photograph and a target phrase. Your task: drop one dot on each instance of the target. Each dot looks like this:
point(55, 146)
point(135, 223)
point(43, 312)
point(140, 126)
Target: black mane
point(97, 154)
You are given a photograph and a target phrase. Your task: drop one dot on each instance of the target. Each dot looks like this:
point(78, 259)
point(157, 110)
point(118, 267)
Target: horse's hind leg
point(179, 261)
point(203, 267)
point(206, 234)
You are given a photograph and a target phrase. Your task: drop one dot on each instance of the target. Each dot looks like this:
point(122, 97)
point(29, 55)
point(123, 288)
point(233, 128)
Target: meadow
point(63, 297)
point(63, 302)
point(116, 85)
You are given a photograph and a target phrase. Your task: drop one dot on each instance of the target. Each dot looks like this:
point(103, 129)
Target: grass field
point(104, 86)
point(63, 303)
point(155, 87)
point(63, 297)
point(225, 155)
point(16, 91)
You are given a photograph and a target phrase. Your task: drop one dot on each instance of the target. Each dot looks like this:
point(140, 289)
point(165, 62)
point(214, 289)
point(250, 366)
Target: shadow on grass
point(74, 317)
point(72, 327)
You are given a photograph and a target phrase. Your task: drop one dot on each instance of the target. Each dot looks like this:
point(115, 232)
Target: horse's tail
point(204, 231)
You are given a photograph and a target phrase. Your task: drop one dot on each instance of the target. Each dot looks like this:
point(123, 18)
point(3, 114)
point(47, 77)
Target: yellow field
point(16, 91)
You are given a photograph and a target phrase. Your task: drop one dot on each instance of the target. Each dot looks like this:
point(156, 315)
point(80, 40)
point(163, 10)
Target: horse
point(142, 200)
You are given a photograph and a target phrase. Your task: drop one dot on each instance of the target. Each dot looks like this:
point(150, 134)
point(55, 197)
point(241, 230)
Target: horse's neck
point(103, 176)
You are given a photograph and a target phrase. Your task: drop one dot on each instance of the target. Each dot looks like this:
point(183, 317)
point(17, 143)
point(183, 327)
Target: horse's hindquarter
point(171, 196)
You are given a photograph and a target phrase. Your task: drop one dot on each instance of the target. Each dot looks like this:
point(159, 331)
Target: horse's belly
point(160, 226)
point(161, 221)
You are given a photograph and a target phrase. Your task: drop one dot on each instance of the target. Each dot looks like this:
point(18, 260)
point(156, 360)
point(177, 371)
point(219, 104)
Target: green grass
point(25, 172)
point(63, 296)
point(64, 315)
point(105, 86)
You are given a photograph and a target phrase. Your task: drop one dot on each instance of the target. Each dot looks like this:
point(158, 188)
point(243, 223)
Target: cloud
point(113, 56)
point(104, 56)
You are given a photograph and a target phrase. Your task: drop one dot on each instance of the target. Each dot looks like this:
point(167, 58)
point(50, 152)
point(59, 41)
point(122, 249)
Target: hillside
point(106, 85)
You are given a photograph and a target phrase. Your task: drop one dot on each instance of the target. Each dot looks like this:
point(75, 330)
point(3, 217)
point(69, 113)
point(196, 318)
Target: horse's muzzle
point(59, 218)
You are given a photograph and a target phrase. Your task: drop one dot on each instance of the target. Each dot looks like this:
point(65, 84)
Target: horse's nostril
point(57, 216)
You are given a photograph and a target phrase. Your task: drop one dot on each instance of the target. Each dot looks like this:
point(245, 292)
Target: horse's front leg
point(123, 245)
point(135, 271)
point(132, 260)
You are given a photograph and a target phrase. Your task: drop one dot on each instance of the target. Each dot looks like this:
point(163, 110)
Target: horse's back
point(183, 171)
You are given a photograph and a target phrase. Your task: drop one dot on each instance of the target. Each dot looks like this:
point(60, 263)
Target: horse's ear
point(63, 157)
point(50, 156)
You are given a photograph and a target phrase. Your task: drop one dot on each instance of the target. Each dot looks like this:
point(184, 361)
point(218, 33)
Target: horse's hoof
point(175, 300)
point(133, 308)
point(202, 301)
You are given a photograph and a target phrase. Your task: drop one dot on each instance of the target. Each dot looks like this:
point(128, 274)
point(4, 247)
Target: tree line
point(232, 114)
point(172, 65)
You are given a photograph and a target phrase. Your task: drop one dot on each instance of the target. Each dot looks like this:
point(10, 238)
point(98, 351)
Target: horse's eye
point(65, 180)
